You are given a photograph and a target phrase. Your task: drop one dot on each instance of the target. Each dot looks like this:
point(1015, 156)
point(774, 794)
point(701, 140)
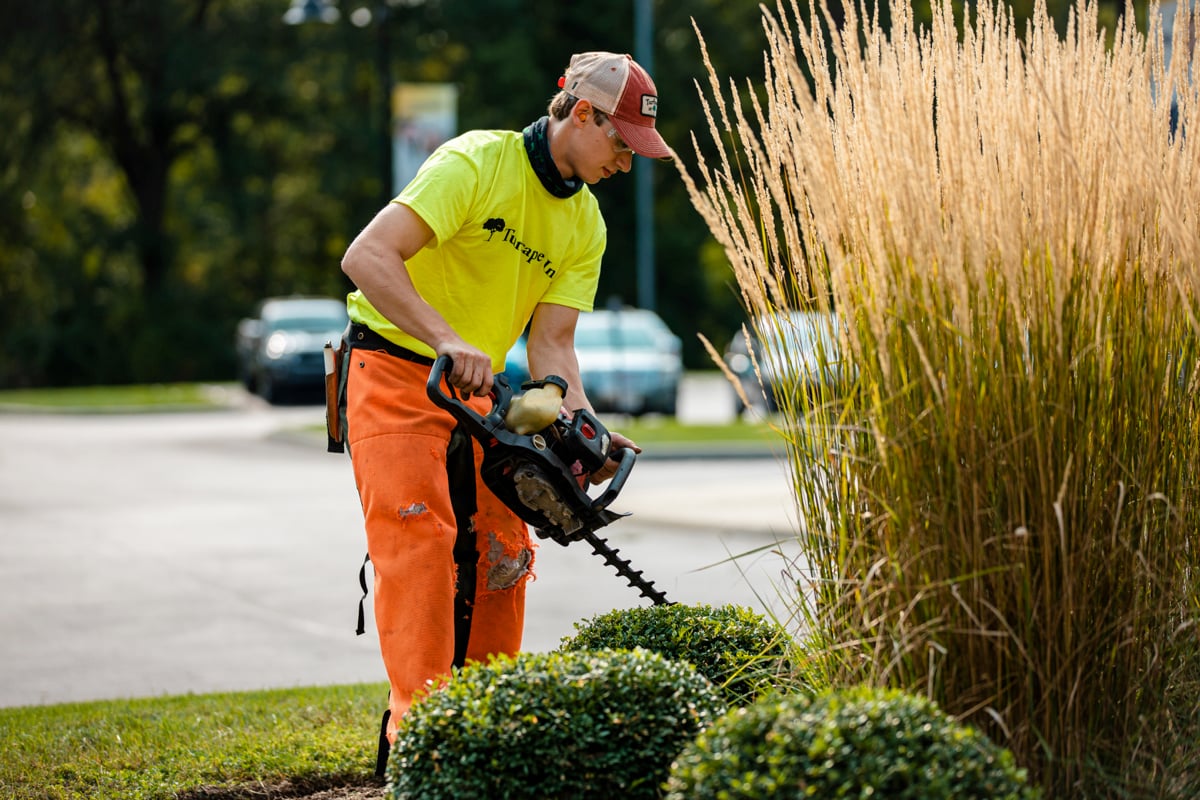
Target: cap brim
point(644, 139)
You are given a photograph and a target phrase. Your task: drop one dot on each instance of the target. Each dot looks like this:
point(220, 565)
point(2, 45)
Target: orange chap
point(399, 444)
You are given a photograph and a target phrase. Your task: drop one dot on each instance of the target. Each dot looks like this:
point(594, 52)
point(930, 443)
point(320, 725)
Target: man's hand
point(472, 370)
point(609, 469)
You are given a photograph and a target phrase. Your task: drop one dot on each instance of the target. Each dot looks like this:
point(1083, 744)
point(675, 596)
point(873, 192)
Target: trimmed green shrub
point(854, 743)
point(552, 725)
point(738, 650)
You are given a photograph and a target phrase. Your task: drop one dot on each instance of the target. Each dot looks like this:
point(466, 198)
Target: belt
point(362, 337)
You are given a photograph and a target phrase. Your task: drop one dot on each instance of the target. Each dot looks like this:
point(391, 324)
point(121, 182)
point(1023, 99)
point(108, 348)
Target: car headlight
point(739, 364)
point(277, 345)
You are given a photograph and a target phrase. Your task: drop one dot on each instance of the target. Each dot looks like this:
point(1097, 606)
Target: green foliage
point(737, 649)
point(162, 191)
point(854, 743)
point(551, 725)
point(191, 746)
point(150, 194)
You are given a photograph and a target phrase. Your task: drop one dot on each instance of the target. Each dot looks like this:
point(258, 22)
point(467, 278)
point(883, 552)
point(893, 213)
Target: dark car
point(791, 349)
point(279, 349)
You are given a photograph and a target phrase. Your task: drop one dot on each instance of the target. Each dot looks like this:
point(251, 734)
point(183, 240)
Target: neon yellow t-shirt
point(502, 244)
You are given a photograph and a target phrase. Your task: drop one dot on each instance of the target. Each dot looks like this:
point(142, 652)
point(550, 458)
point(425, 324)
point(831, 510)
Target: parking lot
point(166, 553)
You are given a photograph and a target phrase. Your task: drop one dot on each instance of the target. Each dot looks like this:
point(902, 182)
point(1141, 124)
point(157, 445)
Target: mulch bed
point(348, 793)
point(287, 791)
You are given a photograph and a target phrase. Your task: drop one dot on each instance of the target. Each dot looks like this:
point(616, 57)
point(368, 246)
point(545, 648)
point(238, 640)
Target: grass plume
point(1000, 502)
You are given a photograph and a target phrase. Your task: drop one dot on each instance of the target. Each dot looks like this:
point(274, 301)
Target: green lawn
point(671, 431)
point(100, 399)
point(190, 746)
point(648, 432)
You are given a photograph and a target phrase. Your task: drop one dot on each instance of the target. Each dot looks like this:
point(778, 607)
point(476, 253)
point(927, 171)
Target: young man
point(497, 230)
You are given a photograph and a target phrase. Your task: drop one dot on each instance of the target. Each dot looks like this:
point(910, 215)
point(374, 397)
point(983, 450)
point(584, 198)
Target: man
point(496, 231)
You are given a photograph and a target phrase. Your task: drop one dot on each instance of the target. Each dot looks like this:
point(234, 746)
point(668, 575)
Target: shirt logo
point(493, 226)
point(497, 225)
point(650, 105)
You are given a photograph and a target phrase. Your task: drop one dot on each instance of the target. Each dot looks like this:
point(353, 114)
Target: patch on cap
point(618, 86)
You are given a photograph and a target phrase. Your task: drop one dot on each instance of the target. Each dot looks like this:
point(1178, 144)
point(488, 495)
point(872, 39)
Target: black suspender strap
point(362, 582)
point(460, 470)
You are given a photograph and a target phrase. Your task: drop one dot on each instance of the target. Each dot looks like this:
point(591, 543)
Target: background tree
point(145, 140)
point(166, 163)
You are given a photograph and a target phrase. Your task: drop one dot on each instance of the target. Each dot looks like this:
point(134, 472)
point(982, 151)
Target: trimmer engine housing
point(542, 476)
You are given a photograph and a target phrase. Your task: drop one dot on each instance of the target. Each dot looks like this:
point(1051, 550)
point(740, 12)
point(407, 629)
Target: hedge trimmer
point(538, 461)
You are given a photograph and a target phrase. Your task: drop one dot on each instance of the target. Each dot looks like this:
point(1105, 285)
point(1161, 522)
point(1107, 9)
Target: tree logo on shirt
point(531, 255)
point(493, 226)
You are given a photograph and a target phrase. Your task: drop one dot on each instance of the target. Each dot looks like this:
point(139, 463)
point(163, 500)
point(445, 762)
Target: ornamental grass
point(999, 487)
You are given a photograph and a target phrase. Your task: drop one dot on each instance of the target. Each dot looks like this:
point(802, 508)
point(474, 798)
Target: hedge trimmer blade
point(646, 587)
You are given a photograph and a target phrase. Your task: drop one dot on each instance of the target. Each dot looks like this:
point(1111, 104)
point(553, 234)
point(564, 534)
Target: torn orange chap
point(400, 445)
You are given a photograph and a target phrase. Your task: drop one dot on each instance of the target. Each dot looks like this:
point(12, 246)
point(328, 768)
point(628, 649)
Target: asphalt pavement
point(152, 554)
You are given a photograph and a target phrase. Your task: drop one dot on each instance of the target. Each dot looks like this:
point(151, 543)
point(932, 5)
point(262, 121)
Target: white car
point(793, 350)
point(629, 360)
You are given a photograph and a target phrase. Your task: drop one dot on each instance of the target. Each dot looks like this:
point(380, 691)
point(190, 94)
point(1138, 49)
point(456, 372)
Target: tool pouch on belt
point(335, 392)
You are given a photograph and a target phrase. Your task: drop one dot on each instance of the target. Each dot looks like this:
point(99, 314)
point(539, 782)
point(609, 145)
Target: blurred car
point(629, 360)
point(279, 349)
point(516, 364)
point(793, 350)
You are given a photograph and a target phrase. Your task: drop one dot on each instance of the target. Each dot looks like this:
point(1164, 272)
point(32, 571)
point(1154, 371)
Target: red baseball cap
point(618, 86)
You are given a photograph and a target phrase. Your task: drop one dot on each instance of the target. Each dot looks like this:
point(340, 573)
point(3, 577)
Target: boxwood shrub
point(552, 725)
point(740, 651)
point(854, 743)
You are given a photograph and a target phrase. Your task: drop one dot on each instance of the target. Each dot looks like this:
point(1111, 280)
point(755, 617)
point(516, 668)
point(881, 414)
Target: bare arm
point(375, 261)
point(551, 351)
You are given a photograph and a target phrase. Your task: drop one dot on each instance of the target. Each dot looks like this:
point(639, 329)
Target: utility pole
point(643, 171)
